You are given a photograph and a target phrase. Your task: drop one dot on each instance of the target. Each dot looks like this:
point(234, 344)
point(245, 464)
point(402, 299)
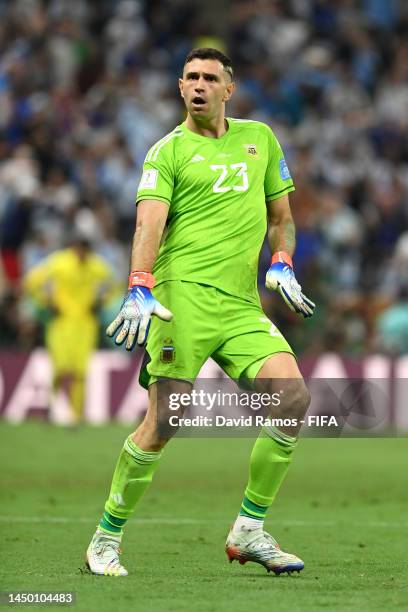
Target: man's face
point(205, 86)
point(82, 249)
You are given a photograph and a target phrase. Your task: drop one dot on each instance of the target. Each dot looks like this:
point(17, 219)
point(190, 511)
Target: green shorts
point(207, 323)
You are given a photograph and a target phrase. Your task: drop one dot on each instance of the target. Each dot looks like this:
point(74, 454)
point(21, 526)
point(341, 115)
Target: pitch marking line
point(192, 521)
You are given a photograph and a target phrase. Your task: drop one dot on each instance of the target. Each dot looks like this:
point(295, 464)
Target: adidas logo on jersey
point(197, 158)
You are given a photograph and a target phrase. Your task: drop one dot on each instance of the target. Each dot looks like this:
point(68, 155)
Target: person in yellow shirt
point(71, 284)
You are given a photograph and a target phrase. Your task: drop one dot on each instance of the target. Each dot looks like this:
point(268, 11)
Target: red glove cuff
point(143, 279)
point(282, 257)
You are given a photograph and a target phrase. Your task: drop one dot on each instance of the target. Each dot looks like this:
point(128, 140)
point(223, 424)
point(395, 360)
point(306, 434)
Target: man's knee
point(167, 390)
point(157, 428)
point(294, 398)
point(300, 398)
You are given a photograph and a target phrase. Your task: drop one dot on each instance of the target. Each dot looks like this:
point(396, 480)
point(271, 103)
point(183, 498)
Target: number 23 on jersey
point(228, 172)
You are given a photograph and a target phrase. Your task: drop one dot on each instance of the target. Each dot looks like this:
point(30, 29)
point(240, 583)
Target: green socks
point(133, 474)
point(252, 510)
point(111, 524)
point(269, 463)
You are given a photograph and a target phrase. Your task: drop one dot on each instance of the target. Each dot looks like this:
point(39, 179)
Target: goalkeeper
point(217, 185)
point(71, 284)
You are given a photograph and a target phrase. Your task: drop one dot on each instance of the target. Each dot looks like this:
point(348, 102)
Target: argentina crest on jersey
point(251, 149)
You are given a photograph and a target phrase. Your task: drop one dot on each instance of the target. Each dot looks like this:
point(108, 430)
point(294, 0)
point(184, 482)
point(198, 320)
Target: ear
point(229, 90)
point(181, 87)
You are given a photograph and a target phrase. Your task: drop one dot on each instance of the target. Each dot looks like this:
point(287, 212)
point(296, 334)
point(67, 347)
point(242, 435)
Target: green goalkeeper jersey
point(216, 190)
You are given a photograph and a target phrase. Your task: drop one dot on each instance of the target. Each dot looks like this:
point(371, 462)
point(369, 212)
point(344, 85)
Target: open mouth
point(198, 101)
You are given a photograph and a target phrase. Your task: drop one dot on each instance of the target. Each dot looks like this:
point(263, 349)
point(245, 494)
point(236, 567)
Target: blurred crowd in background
point(87, 87)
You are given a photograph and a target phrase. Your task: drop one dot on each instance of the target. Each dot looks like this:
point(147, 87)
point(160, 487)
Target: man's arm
point(150, 223)
point(139, 303)
point(281, 228)
point(280, 276)
point(39, 280)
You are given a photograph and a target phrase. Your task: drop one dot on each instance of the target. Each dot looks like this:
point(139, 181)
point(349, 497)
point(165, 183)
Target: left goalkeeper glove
point(280, 277)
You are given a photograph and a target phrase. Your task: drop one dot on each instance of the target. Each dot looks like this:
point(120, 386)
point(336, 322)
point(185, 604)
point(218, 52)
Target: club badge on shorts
point(168, 352)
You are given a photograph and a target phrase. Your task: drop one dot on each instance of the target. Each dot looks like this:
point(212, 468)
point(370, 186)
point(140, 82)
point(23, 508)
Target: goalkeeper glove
point(137, 308)
point(280, 277)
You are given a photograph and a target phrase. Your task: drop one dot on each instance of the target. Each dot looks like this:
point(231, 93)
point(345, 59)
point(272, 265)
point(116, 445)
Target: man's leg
point(133, 474)
point(77, 395)
point(270, 460)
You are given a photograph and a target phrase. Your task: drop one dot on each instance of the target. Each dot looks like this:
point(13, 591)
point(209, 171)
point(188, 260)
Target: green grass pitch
point(343, 509)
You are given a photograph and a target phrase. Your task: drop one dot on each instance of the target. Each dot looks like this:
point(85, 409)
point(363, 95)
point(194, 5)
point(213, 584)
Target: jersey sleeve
point(157, 182)
point(278, 180)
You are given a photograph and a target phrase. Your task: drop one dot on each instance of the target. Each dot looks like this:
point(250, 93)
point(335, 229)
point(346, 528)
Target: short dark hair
point(210, 53)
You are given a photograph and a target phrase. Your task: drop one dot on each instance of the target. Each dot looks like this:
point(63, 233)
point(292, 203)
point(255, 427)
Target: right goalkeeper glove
point(280, 277)
point(137, 308)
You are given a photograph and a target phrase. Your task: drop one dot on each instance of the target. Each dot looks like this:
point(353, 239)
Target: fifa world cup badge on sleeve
point(168, 352)
point(284, 170)
point(149, 179)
